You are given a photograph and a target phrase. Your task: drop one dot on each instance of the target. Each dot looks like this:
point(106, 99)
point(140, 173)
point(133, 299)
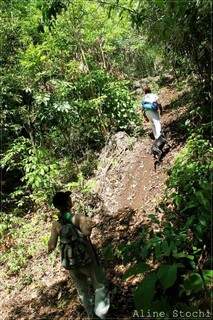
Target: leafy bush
point(190, 181)
point(60, 92)
point(179, 273)
point(7, 222)
point(39, 170)
point(17, 247)
point(119, 108)
point(180, 28)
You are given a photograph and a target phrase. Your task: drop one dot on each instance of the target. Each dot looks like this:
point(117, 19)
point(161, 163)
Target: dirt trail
point(132, 181)
point(130, 189)
point(126, 175)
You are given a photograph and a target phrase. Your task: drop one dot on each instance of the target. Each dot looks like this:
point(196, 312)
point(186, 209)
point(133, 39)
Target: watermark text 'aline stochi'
point(175, 314)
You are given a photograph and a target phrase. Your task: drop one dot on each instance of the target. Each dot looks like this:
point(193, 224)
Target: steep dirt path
point(130, 189)
point(126, 175)
point(132, 180)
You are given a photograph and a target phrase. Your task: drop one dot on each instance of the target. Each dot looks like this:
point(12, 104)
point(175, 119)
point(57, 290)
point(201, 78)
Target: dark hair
point(60, 199)
point(147, 89)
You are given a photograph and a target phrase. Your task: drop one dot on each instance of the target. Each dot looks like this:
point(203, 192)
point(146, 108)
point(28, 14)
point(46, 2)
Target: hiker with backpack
point(78, 256)
point(151, 109)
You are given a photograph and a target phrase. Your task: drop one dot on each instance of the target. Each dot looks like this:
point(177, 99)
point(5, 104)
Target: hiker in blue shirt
point(78, 255)
point(151, 109)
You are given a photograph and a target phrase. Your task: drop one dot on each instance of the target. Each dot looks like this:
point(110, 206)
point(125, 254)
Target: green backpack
point(73, 244)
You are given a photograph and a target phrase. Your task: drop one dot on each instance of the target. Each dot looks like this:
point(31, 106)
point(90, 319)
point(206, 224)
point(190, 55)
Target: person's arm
point(84, 223)
point(160, 108)
point(52, 243)
point(144, 115)
point(143, 112)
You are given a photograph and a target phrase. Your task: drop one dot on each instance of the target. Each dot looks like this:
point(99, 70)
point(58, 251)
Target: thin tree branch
point(116, 5)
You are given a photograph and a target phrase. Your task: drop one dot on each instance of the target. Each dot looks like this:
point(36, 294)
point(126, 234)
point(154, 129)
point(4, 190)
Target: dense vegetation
point(66, 77)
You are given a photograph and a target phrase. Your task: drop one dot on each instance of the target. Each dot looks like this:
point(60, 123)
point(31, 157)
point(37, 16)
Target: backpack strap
point(66, 218)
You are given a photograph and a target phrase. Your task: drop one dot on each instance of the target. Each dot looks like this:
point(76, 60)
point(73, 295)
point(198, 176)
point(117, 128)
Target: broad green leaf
point(145, 291)
point(136, 269)
point(183, 255)
point(160, 3)
point(166, 249)
point(193, 283)
point(37, 182)
point(208, 276)
point(42, 172)
point(167, 275)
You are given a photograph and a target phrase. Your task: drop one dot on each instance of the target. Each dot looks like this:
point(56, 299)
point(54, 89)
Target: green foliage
point(7, 222)
point(167, 275)
point(15, 259)
point(190, 181)
point(120, 107)
point(40, 171)
point(193, 283)
point(14, 156)
point(88, 166)
point(181, 28)
point(136, 269)
point(145, 292)
point(16, 241)
point(178, 268)
point(60, 91)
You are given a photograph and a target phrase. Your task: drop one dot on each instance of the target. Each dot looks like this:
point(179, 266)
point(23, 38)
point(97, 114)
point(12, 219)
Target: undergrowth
point(20, 242)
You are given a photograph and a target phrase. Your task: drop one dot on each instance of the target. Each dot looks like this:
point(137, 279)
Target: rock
point(136, 84)
point(138, 92)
